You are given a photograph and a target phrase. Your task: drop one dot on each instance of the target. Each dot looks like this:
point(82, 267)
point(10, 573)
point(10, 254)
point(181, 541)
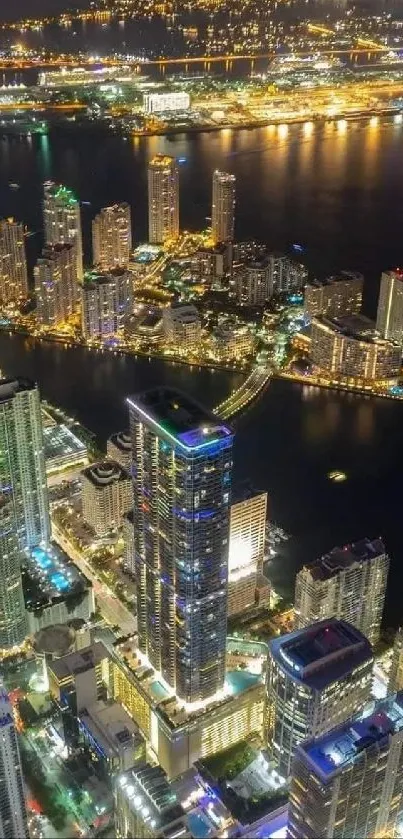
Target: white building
point(163, 199)
point(112, 237)
point(286, 274)
point(347, 583)
point(156, 103)
point(253, 283)
point(13, 814)
point(13, 265)
point(181, 327)
point(62, 220)
point(119, 448)
point(389, 318)
point(349, 782)
point(318, 677)
point(107, 300)
point(107, 495)
point(13, 621)
point(223, 207)
point(56, 286)
point(336, 296)
point(246, 551)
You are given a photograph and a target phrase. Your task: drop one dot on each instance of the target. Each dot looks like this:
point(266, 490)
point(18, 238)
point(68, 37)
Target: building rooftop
point(343, 277)
point(48, 574)
point(110, 727)
point(60, 193)
point(358, 327)
point(332, 752)
point(9, 387)
point(180, 418)
point(122, 441)
point(104, 473)
point(338, 559)
point(151, 796)
point(322, 653)
point(60, 443)
point(80, 661)
point(162, 161)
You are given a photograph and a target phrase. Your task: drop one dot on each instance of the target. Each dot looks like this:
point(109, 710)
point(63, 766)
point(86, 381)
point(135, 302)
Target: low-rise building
point(55, 590)
point(107, 495)
point(182, 327)
point(349, 350)
point(146, 805)
point(232, 343)
point(119, 448)
point(111, 735)
point(63, 450)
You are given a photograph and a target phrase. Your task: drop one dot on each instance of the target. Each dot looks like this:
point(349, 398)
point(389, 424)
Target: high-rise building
point(335, 296)
point(389, 317)
point(350, 349)
point(223, 207)
point(182, 327)
point(13, 814)
point(396, 670)
point(62, 220)
point(13, 265)
point(13, 622)
point(112, 237)
point(107, 496)
point(253, 283)
point(318, 677)
point(348, 583)
point(22, 466)
point(146, 805)
point(56, 287)
point(182, 496)
point(246, 551)
point(349, 781)
point(107, 300)
point(119, 448)
point(286, 274)
point(163, 199)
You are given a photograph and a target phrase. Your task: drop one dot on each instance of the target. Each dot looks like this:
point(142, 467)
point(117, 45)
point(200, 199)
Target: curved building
point(107, 496)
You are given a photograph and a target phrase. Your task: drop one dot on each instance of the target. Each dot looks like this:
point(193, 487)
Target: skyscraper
point(62, 220)
point(13, 265)
point(13, 626)
point(107, 299)
point(56, 286)
point(182, 493)
point(335, 296)
point(389, 317)
point(112, 237)
point(349, 782)
point(223, 207)
point(318, 677)
point(396, 669)
point(13, 814)
point(246, 551)
point(163, 199)
point(22, 466)
point(348, 583)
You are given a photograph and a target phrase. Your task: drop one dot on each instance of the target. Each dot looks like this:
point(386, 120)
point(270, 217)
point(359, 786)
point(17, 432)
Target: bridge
point(246, 393)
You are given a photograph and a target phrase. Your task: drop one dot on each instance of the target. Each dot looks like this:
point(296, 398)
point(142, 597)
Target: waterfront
point(287, 443)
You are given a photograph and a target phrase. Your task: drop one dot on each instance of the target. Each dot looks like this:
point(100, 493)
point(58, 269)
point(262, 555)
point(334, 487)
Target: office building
point(107, 495)
point(349, 350)
point(181, 327)
point(112, 237)
point(182, 496)
point(13, 622)
point(107, 300)
point(56, 287)
point(111, 736)
point(62, 220)
point(285, 274)
point(396, 670)
point(253, 283)
point(318, 677)
point(246, 551)
point(163, 199)
point(146, 805)
point(349, 781)
point(13, 814)
point(347, 583)
point(119, 448)
point(223, 207)
point(334, 297)
point(22, 466)
point(389, 317)
point(13, 264)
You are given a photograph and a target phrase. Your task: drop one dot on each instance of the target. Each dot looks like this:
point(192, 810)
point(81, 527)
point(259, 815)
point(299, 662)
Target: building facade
point(13, 619)
point(56, 287)
point(246, 551)
point(182, 496)
point(348, 348)
point(335, 297)
point(396, 670)
point(112, 237)
point(285, 274)
point(223, 207)
point(62, 220)
point(253, 283)
point(107, 300)
point(119, 448)
point(159, 814)
point(181, 327)
point(349, 782)
point(107, 496)
point(13, 264)
point(163, 199)
point(318, 677)
point(347, 583)
point(13, 814)
point(389, 317)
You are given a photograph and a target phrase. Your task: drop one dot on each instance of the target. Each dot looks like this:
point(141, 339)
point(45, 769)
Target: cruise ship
point(291, 63)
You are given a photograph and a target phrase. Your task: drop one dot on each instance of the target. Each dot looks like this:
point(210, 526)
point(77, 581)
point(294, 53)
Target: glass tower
point(13, 814)
point(13, 626)
point(182, 493)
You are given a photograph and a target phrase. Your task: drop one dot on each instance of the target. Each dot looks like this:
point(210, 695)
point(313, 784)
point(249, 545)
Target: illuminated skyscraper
point(56, 287)
point(163, 199)
point(349, 782)
point(13, 626)
point(246, 551)
point(22, 465)
point(318, 677)
point(389, 318)
point(13, 266)
point(112, 237)
point(182, 493)
point(107, 299)
point(62, 220)
point(13, 814)
point(223, 207)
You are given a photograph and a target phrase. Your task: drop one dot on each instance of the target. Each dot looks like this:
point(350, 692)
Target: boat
point(14, 186)
point(86, 203)
point(182, 160)
point(337, 477)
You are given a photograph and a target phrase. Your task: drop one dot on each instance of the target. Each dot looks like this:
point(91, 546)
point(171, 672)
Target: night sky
point(19, 8)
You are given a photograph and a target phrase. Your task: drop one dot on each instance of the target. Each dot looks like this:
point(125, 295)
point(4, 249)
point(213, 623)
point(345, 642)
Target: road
point(248, 391)
point(112, 610)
